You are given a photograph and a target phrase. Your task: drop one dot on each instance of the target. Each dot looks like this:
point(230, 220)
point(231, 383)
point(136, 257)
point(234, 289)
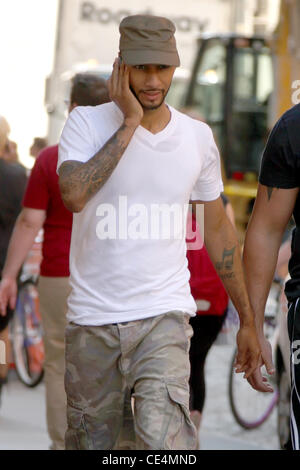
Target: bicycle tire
point(27, 336)
point(249, 407)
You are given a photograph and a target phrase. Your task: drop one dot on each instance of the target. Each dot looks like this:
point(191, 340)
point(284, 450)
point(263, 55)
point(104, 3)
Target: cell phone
point(120, 59)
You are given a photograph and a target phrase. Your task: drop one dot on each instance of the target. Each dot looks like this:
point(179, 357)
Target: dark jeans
point(294, 335)
point(206, 329)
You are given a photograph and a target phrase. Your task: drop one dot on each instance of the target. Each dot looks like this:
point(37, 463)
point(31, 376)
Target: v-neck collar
point(145, 134)
point(159, 136)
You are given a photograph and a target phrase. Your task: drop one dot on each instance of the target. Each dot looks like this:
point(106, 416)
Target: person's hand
point(256, 379)
point(120, 93)
point(259, 382)
point(248, 356)
point(266, 353)
point(8, 294)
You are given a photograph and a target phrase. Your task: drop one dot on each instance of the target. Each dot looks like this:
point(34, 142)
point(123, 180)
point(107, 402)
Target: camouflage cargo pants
point(148, 357)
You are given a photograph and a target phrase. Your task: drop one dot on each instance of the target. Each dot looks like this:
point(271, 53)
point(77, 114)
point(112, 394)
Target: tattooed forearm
point(227, 260)
point(230, 275)
point(226, 264)
point(224, 250)
point(80, 181)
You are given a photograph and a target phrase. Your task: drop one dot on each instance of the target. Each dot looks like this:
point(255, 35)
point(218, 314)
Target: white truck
point(87, 39)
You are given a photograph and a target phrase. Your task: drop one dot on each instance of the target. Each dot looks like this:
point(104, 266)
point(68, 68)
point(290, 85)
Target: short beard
point(149, 108)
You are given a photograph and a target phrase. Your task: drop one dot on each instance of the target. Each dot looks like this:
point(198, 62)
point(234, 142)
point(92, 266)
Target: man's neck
point(156, 120)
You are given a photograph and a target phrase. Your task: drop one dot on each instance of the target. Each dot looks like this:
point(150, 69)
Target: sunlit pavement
point(23, 417)
point(23, 421)
point(219, 429)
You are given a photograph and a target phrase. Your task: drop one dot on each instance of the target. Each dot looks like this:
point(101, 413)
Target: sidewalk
point(23, 420)
point(23, 423)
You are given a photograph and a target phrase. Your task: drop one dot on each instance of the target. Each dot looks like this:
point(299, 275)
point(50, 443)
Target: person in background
point(11, 152)
point(212, 302)
point(39, 143)
point(12, 186)
point(11, 156)
point(43, 207)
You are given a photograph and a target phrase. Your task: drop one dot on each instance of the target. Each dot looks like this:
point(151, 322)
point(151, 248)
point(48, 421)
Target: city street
point(219, 429)
point(136, 133)
point(23, 423)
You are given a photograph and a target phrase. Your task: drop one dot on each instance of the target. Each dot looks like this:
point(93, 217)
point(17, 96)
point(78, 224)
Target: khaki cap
point(147, 39)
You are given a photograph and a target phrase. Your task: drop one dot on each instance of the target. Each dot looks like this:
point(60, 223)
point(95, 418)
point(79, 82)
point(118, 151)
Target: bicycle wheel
point(27, 336)
point(249, 407)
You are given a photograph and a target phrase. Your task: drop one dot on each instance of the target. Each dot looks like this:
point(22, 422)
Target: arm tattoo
point(226, 264)
point(88, 178)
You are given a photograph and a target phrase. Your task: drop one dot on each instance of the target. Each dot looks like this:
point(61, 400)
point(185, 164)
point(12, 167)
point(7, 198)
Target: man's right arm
point(80, 181)
point(272, 210)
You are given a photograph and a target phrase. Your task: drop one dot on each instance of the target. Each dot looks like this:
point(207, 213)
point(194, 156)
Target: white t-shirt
point(128, 259)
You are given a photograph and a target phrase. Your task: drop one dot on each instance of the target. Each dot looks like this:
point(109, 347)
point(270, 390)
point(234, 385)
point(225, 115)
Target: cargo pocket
point(76, 435)
point(181, 432)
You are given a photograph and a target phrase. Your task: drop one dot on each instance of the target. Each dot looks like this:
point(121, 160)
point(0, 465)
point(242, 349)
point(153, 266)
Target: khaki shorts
point(148, 357)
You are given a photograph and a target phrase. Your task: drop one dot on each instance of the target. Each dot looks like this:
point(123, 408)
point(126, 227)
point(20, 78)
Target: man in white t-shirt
point(127, 170)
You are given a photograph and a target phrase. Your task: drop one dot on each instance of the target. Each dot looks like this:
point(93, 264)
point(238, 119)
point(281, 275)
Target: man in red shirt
point(43, 207)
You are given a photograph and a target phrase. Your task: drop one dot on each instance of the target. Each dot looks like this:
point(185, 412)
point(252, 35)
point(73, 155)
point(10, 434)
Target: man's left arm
point(223, 248)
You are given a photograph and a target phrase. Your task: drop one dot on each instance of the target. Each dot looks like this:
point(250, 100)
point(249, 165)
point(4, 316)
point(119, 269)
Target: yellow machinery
point(240, 86)
point(231, 86)
point(286, 50)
